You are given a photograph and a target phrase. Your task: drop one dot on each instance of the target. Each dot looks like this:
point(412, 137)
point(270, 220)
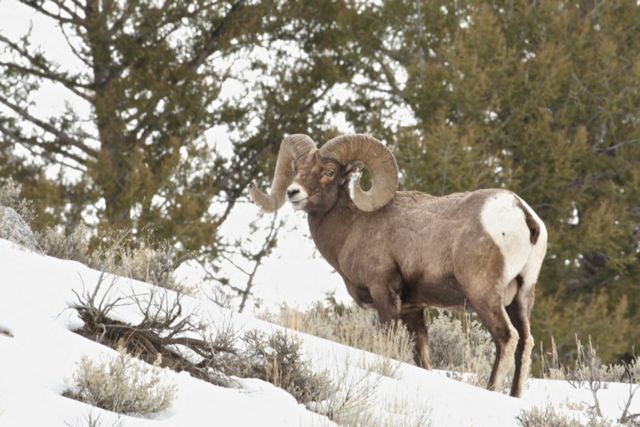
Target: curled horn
point(291, 148)
point(377, 159)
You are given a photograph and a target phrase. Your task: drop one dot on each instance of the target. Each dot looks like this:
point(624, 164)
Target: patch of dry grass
point(348, 325)
point(457, 343)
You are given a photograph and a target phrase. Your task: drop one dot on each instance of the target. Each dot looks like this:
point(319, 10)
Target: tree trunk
point(113, 168)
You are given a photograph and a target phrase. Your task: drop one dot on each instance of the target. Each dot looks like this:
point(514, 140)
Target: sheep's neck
point(330, 229)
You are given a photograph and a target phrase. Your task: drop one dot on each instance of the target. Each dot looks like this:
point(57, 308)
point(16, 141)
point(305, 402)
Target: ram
point(399, 252)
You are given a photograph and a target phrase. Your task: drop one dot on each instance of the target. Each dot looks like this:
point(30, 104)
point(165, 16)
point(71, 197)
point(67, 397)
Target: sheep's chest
point(361, 296)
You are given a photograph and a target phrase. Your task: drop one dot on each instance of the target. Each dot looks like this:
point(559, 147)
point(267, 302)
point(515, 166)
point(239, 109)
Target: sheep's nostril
point(292, 192)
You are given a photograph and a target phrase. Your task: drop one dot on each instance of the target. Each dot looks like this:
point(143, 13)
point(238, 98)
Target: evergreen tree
point(538, 97)
point(151, 77)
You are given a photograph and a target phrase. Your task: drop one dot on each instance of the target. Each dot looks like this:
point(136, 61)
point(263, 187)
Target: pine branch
point(214, 36)
point(245, 162)
point(77, 3)
point(31, 143)
point(63, 6)
point(38, 7)
point(73, 87)
point(75, 51)
point(62, 137)
point(126, 14)
point(24, 53)
point(43, 69)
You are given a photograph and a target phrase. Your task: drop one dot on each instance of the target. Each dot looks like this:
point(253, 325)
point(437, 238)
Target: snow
point(37, 362)
point(40, 353)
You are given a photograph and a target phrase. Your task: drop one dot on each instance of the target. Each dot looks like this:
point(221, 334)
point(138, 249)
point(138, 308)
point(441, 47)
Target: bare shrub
point(545, 417)
point(94, 420)
point(73, 246)
point(145, 262)
point(589, 372)
point(10, 197)
point(383, 366)
point(181, 341)
point(278, 359)
point(351, 400)
point(551, 367)
point(398, 415)
point(633, 378)
point(122, 384)
point(148, 264)
point(590, 369)
point(550, 417)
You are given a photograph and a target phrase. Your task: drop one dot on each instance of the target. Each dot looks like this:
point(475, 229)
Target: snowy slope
point(41, 355)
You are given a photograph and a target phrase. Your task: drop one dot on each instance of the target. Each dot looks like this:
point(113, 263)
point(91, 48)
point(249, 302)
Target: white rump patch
point(505, 222)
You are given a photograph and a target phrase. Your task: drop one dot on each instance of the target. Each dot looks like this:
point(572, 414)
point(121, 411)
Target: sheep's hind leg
point(505, 336)
point(519, 313)
point(415, 323)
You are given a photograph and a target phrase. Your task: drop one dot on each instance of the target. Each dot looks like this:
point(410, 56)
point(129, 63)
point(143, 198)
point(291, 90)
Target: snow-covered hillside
point(39, 353)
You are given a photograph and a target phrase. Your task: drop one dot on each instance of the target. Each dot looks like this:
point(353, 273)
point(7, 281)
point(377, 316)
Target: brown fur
point(534, 228)
point(420, 251)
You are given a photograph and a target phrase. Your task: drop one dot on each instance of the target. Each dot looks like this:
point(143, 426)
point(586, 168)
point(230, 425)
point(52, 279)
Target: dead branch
point(258, 257)
point(163, 333)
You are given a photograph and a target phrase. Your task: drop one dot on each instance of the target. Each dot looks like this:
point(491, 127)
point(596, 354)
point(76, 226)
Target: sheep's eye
point(328, 173)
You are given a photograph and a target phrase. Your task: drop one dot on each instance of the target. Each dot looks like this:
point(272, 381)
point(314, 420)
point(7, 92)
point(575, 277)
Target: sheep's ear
point(351, 168)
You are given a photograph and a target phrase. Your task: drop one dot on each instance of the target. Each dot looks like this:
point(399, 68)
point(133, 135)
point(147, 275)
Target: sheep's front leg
point(387, 302)
point(415, 323)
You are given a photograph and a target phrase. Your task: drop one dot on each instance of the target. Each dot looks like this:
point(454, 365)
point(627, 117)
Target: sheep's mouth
point(298, 204)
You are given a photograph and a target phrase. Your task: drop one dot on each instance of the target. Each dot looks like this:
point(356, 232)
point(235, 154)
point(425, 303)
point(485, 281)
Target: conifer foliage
point(147, 83)
point(540, 97)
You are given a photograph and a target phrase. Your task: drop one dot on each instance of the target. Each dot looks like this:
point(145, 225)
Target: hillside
point(40, 353)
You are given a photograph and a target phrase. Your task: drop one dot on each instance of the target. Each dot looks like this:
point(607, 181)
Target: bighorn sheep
point(399, 252)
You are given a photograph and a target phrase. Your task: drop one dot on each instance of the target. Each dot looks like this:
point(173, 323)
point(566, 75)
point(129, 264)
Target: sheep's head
point(310, 177)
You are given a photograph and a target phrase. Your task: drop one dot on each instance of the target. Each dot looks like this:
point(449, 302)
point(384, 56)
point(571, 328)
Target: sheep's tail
point(532, 224)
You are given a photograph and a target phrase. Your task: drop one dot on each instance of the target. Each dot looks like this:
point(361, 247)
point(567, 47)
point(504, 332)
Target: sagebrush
point(460, 344)
point(278, 359)
point(179, 340)
point(548, 416)
point(10, 197)
point(121, 384)
point(457, 343)
point(545, 417)
point(149, 263)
